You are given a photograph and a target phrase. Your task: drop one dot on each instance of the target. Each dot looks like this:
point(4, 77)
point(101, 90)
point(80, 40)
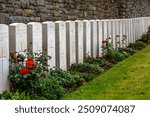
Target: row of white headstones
point(66, 42)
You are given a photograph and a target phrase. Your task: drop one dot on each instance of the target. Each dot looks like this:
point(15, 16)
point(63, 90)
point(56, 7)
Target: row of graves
point(67, 42)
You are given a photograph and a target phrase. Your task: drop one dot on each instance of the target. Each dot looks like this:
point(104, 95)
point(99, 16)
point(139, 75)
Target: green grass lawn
point(128, 80)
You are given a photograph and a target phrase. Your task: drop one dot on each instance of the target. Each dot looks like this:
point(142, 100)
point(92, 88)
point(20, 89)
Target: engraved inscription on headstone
point(127, 31)
point(18, 37)
point(71, 45)
point(109, 29)
point(131, 31)
point(61, 54)
point(49, 42)
point(79, 40)
point(94, 38)
point(34, 34)
point(4, 58)
point(117, 24)
point(105, 30)
point(114, 33)
point(87, 38)
point(99, 40)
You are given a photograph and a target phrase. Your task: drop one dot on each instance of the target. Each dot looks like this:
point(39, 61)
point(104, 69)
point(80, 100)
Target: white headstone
point(100, 38)
point(71, 43)
point(141, 25)
point(127, 31)
point(105, 29)
point(49, 41)
point(121, 32)
point(140, 29)
point(4, 58)
point(17, 37)
point(137, 29)
point(124, 34)
point(118, 44)
point(114, 33)
point(94, 38)
point(34, 34)
point(61, 54)
point(133, 29)
point(79, 40)
point(109, 28)
point(145, 26)
point(148, 21)
point(87, 38)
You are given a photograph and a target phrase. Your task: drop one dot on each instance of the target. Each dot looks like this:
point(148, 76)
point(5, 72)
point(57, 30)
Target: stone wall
point(133, 8)
point(41, 10)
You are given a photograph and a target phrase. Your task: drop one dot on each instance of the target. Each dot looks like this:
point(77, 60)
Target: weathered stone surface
point(18, 37)
point(49, 41)
point(34, 34)
point(4, 58)
point(61, 54)
point(79, 40)
point(71, 43)
point(12, 11)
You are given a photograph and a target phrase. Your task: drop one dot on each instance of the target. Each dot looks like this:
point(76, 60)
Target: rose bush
point(27, 69)
point(112, 54)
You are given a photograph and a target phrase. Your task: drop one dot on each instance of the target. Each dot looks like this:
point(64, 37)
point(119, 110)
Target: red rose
point(11, 54)
point(24, 71)
point(104, 41)
point(30, 63)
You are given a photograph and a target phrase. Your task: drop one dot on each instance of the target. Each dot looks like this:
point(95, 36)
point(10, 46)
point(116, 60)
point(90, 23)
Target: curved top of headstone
point(17, 24)
point(105, 19)
point(59, 21)
point(69, 21)
point(85, 20)
point(46, 22)
point(78, 20)
point(3, 32)
point(92, 20)
point(3, 27)
point(34, 23)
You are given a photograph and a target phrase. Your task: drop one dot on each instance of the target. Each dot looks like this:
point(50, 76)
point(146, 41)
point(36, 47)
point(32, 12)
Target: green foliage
point(138, 45)
point(148, 30)
point(49, 89)
point(146, 38)
point(130, 51)
point(26, 69)
point(66, 79)
point(112, 54)
point(117, 55)
point(87, 76)
point(86, 68)
point(107, 47)
point(98, 61)
point(34, 78)
point(14, 96)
